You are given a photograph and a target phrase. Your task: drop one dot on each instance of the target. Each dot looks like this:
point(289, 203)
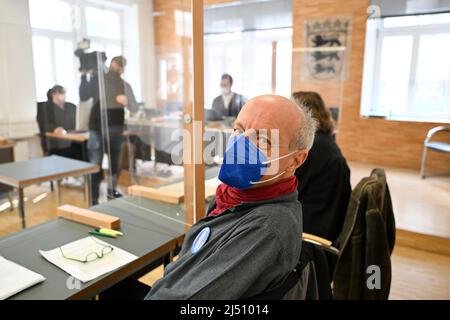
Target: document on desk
point(80, 249)
point(15, 278)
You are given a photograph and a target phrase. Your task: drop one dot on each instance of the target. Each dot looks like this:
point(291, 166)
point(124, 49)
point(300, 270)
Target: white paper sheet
point(90, 270)
point(15, 278)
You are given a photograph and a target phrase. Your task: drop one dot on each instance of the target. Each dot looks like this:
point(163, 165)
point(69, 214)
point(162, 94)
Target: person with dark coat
point(324, 179)
point(118, 96)
point(57, 116)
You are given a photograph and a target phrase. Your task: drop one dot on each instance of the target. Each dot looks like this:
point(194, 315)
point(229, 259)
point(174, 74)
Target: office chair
point(433, 145)
point(5, 157)
point(41, 120)
point(308, 281)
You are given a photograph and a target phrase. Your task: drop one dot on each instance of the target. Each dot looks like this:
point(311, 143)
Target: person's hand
point(84, 72)
point(60, 130)
point(122, 100)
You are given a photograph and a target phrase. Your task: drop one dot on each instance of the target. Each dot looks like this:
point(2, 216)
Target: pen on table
point(102, 234)
point(109, 231)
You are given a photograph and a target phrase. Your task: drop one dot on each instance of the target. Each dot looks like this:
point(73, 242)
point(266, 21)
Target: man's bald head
point(282, 130)
point(296, 127)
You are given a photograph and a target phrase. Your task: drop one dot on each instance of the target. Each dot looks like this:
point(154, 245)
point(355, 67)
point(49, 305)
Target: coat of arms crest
point(326, 47)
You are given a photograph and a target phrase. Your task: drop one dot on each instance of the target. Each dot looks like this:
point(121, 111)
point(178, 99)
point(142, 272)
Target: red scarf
point(227, 197)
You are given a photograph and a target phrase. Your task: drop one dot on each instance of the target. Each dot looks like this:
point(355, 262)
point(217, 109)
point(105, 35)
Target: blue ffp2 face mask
point(244, 164)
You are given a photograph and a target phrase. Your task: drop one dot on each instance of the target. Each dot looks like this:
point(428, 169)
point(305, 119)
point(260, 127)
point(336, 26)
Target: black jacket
point(235, 105)
point(114, 86)
point(367, 239)
point(49, 117)
point(324, 188)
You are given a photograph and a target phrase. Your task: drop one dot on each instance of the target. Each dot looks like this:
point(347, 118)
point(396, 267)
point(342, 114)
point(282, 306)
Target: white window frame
point(372, 70)
point(76, 35)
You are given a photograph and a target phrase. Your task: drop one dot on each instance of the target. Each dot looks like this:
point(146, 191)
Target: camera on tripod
point(88, 60)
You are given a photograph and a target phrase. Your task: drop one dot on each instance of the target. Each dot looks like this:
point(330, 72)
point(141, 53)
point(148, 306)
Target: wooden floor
point(418, 274)
point(40, 206)
point(420, 205)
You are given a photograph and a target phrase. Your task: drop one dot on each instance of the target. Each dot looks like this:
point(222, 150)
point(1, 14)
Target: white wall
point(138, 34)
point(130, 44)
point(17, 85)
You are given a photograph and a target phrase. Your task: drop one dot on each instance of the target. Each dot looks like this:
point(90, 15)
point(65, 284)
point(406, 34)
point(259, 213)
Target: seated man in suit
point(229, 103)
point(249, 241)
point(58, 116)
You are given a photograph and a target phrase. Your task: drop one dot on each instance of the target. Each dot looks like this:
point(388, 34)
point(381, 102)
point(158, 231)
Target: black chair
point(42, 119)
point(433, 145)
point(308, 281)
point(334, 114)
point(7, 155)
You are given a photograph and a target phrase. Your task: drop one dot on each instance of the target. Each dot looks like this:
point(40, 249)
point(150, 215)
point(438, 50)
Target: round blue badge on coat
point(200, 240)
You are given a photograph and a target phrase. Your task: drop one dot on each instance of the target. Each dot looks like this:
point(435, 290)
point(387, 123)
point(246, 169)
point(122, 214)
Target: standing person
point(118, 96)
point(324, 179)
point(229, 103)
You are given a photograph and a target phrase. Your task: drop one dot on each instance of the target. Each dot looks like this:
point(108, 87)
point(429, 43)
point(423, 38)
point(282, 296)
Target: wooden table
point(53, 168)
point(79, 138)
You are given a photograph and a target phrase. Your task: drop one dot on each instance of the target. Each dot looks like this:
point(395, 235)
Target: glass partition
point(114, 85)
point(133, 73)
point(138, 130)
point(248, 52)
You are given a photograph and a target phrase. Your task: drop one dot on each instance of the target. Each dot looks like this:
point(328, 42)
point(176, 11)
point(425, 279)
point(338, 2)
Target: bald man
point(249, 241)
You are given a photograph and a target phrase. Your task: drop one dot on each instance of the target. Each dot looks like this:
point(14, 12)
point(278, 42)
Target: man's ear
point(298, 159)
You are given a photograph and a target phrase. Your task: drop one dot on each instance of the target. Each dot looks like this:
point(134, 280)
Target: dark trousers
point(96, 145)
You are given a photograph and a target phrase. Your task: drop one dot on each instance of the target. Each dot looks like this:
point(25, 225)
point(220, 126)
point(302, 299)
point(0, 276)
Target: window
point(42, 59)
point(55, 38)
point(102, 23)
point(407, 69)
point(42, 15)
point(247, 57)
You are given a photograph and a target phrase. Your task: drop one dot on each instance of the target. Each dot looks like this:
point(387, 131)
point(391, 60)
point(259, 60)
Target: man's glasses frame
point(92, 255)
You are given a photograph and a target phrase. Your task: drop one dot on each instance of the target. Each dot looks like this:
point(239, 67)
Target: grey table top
point(150, 229)
point(23, 173)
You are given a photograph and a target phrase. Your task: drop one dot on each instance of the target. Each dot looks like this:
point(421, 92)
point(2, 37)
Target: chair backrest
point(42, 119)
point(308, 281)
point(6, 155)
point(41, 116)
point(367, 239)
point(435, 130)
point(334, 114)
